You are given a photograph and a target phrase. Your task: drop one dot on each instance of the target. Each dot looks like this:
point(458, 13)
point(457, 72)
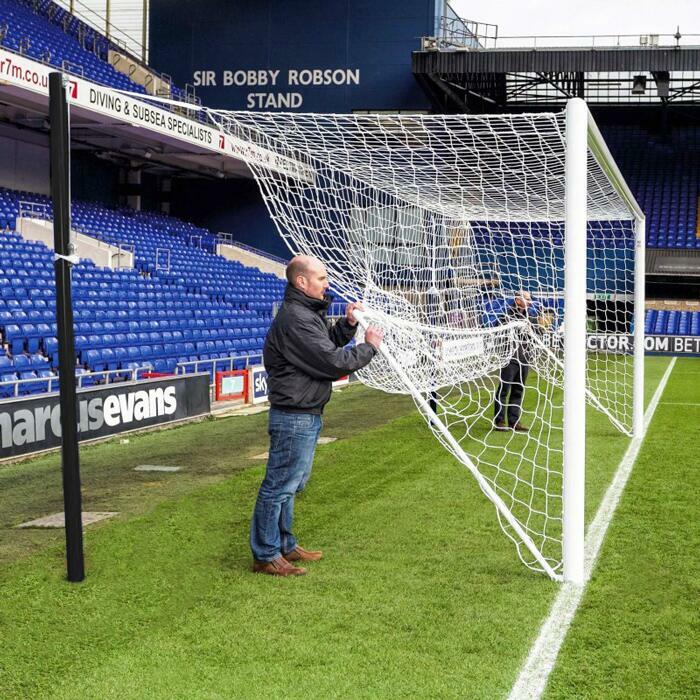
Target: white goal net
point(451, 231)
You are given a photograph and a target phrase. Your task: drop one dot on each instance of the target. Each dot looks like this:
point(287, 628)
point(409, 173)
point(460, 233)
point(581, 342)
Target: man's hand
point(350, 308)
point(374, 336)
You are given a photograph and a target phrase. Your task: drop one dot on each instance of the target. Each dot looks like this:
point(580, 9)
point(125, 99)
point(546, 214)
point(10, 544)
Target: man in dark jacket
point(303, 356)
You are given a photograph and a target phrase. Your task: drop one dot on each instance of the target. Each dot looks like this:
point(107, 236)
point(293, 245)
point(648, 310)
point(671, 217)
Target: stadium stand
point(32, 34)
point(46, 32)
point(195, 307)
point(664, 175)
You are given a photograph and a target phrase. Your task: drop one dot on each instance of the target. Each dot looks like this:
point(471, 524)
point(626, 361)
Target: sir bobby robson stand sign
point(34, 424)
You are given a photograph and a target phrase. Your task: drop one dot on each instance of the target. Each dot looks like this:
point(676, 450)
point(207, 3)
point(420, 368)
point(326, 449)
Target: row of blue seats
point(125, 321)
point(42, 336)
point(665, 178)
point(178, 305)
point(35, 381)
point(102, 359)
point(672, 322)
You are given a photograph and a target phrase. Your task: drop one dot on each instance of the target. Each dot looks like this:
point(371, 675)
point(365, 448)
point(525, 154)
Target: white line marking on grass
point(533, 676)
point(678, 403)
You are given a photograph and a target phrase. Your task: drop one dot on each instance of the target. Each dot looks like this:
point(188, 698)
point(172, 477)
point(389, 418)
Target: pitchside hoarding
point(22, 72)
point(622, 343)
point(664, 344)
point(33, 424)
point(257, 384)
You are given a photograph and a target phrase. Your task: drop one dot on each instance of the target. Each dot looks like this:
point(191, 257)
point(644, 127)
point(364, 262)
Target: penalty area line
point(533, 676)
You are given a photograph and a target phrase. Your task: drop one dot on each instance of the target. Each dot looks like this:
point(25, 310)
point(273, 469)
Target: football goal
point(503, 255)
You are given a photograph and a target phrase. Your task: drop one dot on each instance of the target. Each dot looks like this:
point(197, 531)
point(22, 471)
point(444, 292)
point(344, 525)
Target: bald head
point(298, 265)
point(307, 274)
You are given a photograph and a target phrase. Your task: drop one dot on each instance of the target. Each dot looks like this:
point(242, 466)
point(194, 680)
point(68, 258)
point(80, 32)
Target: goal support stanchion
point(487, 489)
point(59, 118)
point(575, 254)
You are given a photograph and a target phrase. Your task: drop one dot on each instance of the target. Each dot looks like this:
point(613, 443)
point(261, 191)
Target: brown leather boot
point(520, 428)
point(301, 554)
point(277, 567)
point(500, 426)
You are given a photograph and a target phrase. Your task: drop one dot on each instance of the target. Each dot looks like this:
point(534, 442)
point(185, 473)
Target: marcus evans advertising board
point(31, 425)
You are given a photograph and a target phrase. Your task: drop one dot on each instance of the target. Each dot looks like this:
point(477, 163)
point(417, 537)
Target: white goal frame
point(582, 134)
point(304, 152)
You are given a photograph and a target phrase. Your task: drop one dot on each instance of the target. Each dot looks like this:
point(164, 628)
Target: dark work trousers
point(509, 395)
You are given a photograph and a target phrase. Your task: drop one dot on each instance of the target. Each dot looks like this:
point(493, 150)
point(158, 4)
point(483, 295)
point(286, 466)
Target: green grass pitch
point(419, 594)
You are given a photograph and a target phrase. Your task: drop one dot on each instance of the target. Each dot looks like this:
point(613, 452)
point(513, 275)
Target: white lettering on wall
point(274, 78)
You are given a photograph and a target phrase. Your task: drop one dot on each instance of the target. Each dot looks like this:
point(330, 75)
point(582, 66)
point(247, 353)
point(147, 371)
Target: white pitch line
point(678, 403)
point(533, 676)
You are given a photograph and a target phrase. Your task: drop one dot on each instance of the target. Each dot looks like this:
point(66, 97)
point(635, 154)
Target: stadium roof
point(471, 80)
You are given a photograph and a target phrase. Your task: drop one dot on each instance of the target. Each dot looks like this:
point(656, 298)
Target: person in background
point(509, 394)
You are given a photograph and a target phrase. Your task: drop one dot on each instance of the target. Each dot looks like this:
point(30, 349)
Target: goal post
point(440, 225)
point(582, 137)
point(575, 232)
point(639, 340)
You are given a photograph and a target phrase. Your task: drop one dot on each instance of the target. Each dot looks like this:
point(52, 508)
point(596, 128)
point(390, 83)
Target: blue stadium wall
point(322, 56)
point(293, 55)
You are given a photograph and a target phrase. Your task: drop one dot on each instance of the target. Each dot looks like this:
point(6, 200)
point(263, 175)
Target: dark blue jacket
point(303, 355)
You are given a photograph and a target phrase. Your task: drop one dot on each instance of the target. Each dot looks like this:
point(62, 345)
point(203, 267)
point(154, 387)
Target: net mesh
point(443, 226)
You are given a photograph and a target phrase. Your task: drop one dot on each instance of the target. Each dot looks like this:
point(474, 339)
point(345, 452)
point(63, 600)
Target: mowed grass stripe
point(636, 633)
point(420, 593)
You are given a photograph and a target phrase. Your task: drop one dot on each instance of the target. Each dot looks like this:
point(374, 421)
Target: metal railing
point(116, 376)
point(223, 364)
point(228, 239)
point(35, 210)
point(163, 254)
point(650, 41)
point(452, 39)
point(336, 309)
point(72, 68)
point(453, 31)
point(104, 377)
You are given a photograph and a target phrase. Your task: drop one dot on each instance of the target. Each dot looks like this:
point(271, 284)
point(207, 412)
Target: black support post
point(60, 195)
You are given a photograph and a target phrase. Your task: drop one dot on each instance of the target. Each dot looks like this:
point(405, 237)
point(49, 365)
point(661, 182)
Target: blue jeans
point(293, 438)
